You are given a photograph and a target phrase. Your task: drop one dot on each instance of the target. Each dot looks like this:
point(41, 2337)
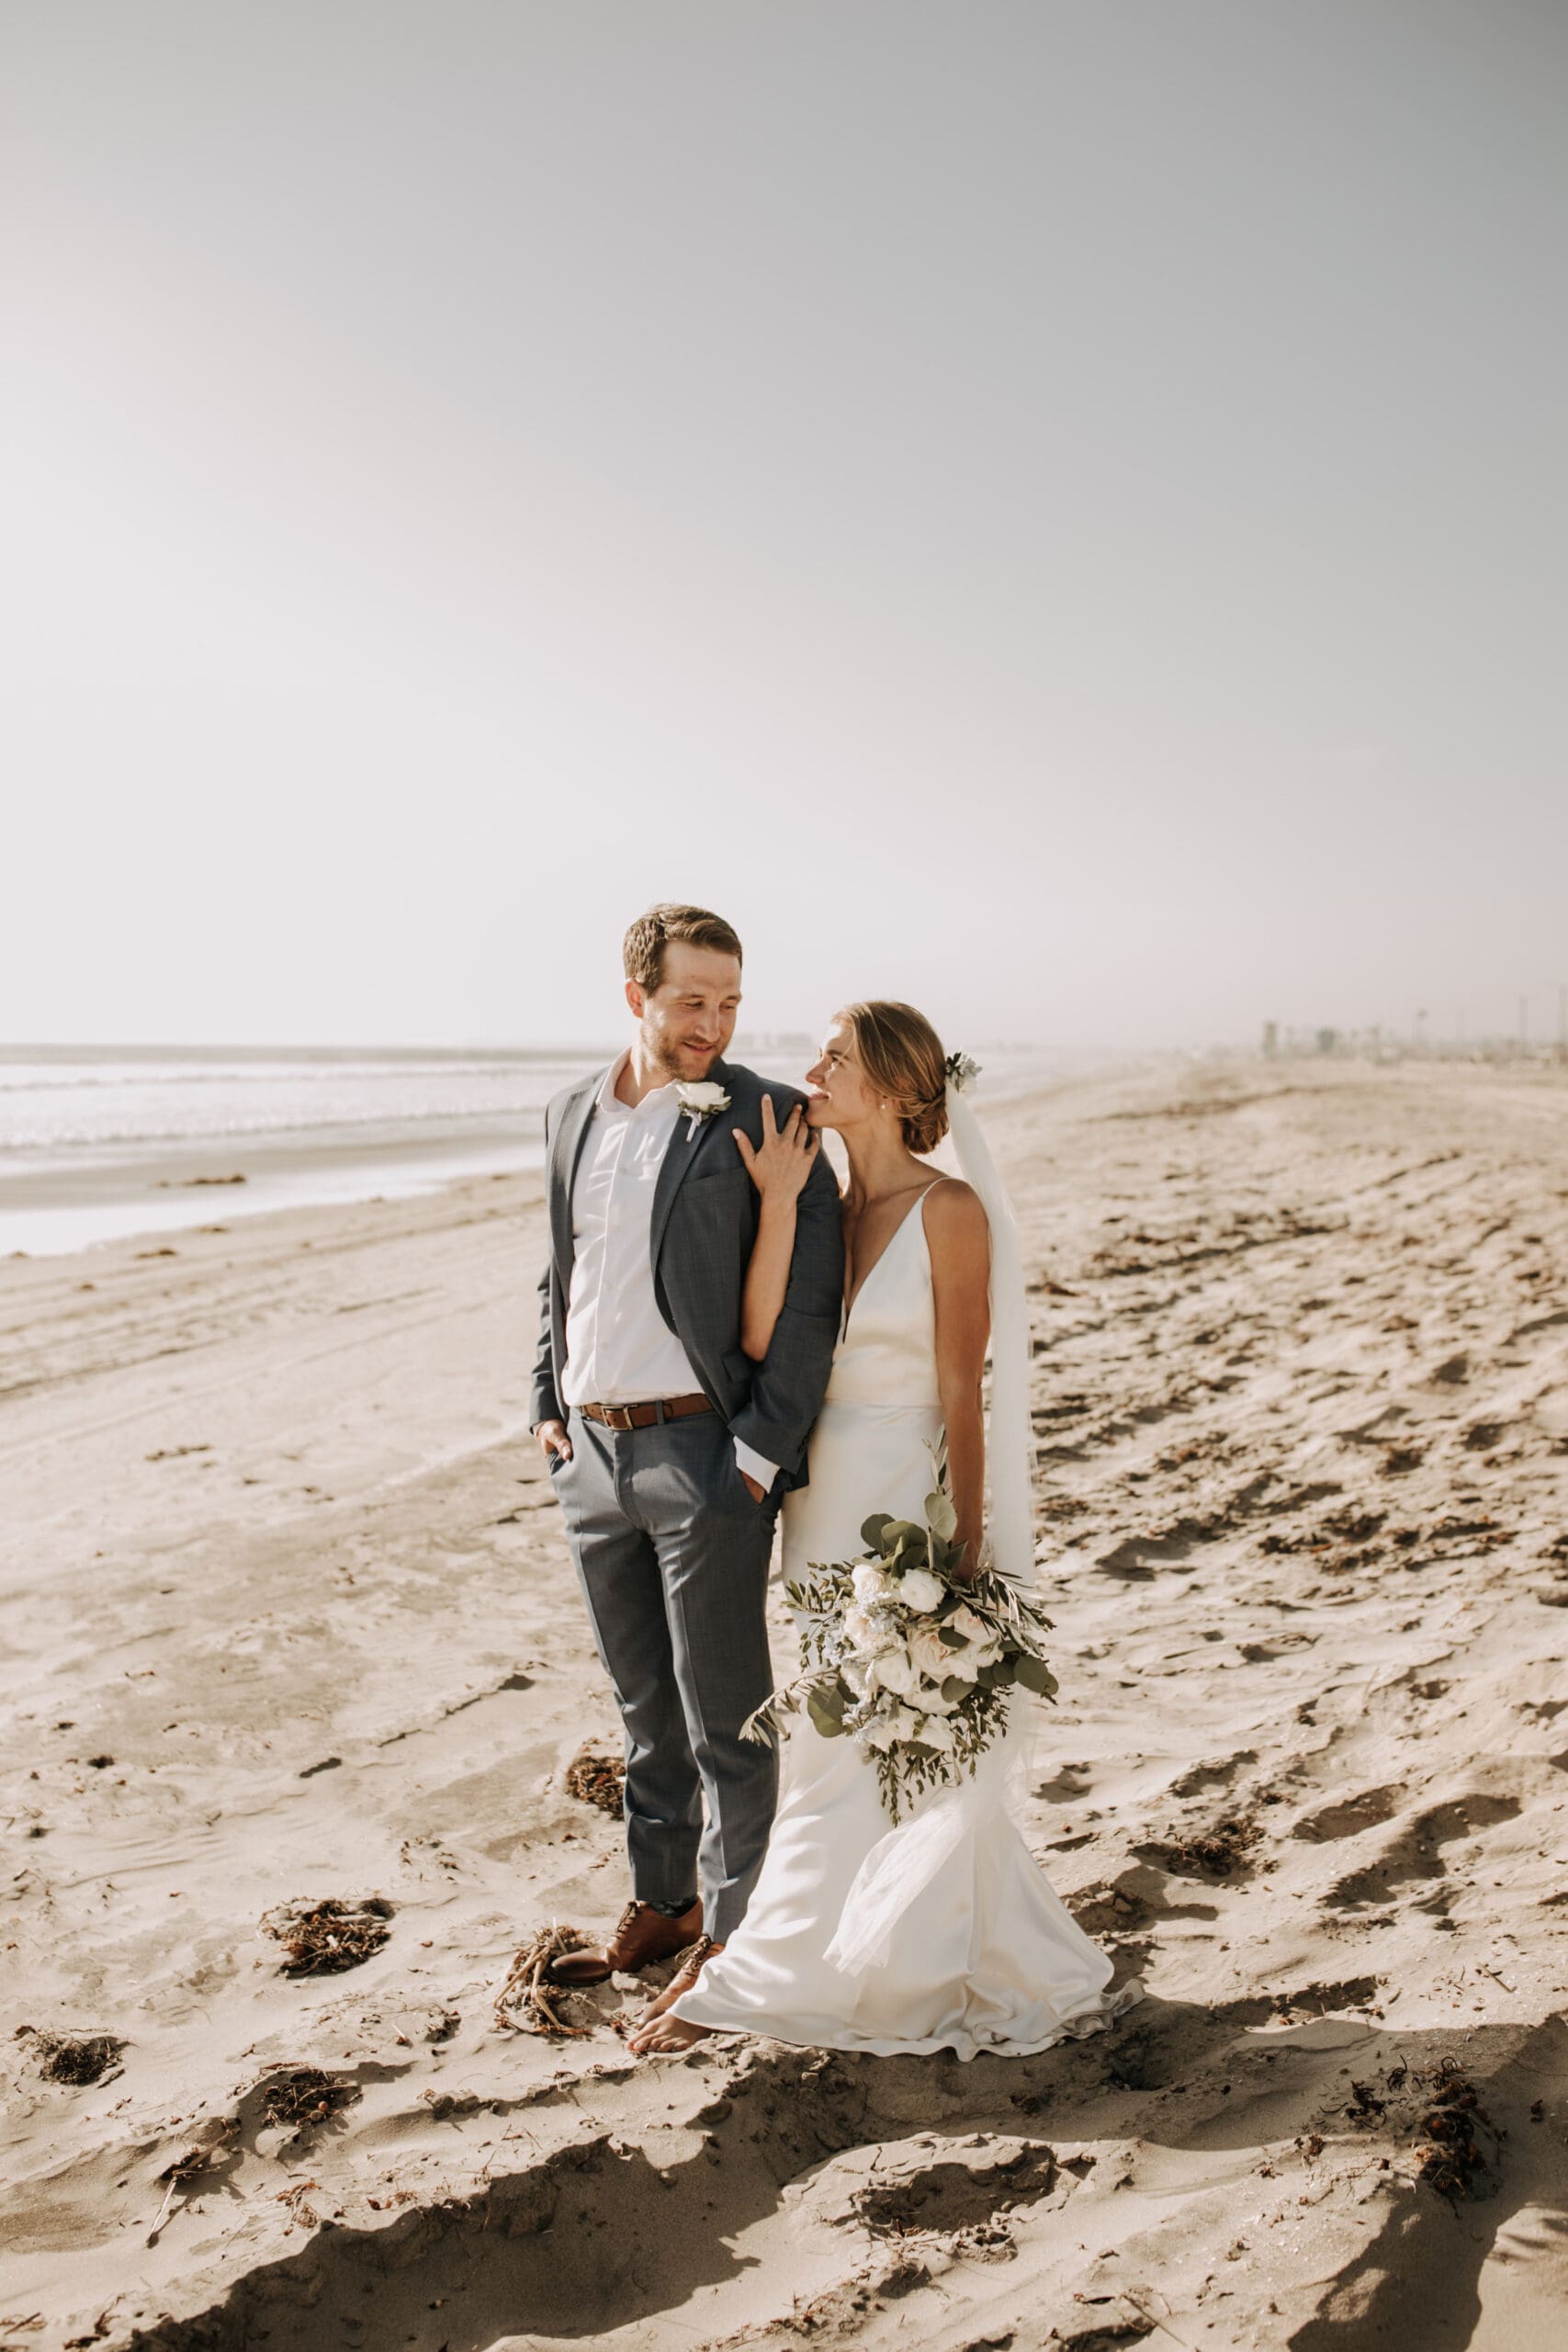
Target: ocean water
point(96, 1142)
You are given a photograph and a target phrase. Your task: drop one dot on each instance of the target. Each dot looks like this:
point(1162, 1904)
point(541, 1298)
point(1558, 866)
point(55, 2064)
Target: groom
point(669, 1449)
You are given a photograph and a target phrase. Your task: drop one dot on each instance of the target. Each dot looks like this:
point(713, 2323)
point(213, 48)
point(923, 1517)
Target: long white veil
point(1009, 1438)
point(903, 1863)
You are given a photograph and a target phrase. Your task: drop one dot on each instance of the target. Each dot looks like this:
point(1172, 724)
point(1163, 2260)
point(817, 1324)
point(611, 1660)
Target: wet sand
point(290, 1616)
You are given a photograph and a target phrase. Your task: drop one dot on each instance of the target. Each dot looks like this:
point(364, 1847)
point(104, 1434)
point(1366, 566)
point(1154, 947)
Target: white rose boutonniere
point(701, 1099)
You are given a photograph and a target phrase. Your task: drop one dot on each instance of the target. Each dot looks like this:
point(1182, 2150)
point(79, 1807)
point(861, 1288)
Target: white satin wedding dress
point(941, 1934)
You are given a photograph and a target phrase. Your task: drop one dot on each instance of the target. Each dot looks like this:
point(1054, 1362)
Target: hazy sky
point(1055, 511)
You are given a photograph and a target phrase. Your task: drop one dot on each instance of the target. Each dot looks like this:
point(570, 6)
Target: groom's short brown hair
point(642, 950)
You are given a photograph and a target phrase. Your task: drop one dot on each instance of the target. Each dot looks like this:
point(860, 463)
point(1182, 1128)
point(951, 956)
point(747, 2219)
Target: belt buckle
point(617, 1416)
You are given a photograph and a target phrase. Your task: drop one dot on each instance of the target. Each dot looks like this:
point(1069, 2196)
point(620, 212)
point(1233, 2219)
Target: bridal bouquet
point(904, 1656)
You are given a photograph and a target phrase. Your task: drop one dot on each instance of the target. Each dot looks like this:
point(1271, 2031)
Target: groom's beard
point(690, 1064)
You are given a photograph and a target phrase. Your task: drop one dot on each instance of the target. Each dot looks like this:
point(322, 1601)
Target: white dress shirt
point(619, 1349)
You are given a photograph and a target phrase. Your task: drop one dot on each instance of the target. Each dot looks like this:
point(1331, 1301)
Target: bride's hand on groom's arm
point(780, 1163)
point(779, 1167)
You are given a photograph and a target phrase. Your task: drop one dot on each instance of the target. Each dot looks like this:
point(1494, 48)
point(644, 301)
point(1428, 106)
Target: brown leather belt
point(643, 1416)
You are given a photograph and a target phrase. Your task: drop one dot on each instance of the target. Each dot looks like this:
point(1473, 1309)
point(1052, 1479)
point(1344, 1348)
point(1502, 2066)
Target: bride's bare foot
point(663, 2035)
point(652, 2009)
point(666, 2035)
point(685, 1976)
point(654, 2021)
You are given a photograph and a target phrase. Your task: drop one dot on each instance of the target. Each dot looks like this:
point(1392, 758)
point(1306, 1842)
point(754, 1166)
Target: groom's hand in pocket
point(553, 1439)
point(758, 1494)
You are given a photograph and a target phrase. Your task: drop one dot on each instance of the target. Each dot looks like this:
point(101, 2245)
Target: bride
point(939, 1934)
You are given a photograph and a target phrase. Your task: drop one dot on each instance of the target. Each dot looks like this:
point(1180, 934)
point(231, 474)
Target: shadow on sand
point(596, 2235)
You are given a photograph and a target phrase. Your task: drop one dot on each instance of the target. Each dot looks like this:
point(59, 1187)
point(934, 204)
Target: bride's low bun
point(902, 1055)
point(925, 1127)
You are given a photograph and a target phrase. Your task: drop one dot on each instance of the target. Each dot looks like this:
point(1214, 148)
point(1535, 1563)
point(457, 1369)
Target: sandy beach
point(289, 1617)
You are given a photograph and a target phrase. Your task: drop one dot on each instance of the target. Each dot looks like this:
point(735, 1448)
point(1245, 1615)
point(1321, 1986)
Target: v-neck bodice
point(886, 1353)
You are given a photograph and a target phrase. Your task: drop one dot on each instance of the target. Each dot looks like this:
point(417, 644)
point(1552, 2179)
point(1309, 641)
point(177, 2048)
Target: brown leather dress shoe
point(642, 1935)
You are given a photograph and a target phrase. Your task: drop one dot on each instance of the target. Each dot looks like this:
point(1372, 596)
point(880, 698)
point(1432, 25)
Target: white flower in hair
point(962, 1072)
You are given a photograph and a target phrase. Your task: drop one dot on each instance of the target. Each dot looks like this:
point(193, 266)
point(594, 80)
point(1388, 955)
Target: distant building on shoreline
point(1376, 1043)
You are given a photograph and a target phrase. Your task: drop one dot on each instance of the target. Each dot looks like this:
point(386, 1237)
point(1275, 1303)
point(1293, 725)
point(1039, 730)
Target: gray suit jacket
point(704, 1222)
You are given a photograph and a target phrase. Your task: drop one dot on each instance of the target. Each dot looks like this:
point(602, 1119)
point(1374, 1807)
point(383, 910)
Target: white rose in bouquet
point(931, 1655)
point(862, 1631)
point(877, 1656)
point(934, 1732)
point(934, 1702)
point(984, 1647)
point(919, 1591)
point(894, 1670)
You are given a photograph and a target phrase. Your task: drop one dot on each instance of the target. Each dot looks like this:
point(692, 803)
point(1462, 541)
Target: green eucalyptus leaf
point(875, 1529)
point(1034, 1674)
point(940, 1513)
point(956, 1687)
point(826, 1718)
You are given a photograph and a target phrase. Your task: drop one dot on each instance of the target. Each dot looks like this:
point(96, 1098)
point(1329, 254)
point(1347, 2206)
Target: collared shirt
point(619, 1349)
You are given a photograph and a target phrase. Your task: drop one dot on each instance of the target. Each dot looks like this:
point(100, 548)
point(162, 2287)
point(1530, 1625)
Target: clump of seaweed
point(302, 2095)
point(323, 1938)
point(1216, 1852)
point(1451, 2160)
point(525, 2003)
point(1439, 2108)
point(74, 2058)
point(596, 1780)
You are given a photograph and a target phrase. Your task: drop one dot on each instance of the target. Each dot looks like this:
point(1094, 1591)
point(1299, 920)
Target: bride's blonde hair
point(901, 1053)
